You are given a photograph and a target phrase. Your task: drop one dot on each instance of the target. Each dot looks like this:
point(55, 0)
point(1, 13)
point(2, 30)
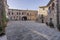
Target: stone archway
point(24, 18)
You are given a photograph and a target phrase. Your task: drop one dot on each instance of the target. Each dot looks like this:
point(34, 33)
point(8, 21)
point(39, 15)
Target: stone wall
point(43, 11)
point(53, 12)
point(30, 14)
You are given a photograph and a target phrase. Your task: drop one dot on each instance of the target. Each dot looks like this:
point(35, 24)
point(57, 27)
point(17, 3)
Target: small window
point(22, 13)
point(49, 8)
point(50, 18)
point(14, 17)
point(9, 13)
point(12, 13)
point(28, 14)
point(17, 13)
point(53, 6)
point(43, 8)
point(17, 16)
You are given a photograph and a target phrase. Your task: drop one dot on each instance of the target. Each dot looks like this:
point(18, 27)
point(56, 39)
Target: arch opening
point(24, 18)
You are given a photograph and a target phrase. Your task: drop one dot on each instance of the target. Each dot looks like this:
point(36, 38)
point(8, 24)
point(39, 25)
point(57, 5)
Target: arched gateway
point(24, 18)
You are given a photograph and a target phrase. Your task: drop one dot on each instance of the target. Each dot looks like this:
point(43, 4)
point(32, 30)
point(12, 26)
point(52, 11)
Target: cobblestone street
point(31, 30)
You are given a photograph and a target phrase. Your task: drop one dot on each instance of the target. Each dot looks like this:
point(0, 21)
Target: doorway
point(24, 18)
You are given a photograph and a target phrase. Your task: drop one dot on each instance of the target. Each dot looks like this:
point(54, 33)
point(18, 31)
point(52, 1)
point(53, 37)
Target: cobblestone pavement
point(30, 30)
point(3, 37)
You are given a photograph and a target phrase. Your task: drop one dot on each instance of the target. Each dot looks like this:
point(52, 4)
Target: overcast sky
point(26, 4)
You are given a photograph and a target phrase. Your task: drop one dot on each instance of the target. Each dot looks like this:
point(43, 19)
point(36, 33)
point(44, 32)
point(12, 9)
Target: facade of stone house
point(54, 12)
point(43, 10)
point(16, 14)
point(3, 4)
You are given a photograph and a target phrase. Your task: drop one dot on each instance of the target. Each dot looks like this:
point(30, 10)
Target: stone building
point(6, 8)
point(53, 11)
point(16, 14)
point(43, 10)
point(3, 12)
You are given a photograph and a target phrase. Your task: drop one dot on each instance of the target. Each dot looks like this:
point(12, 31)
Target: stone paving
point(3, 37)
point(17, 31)
point(30, 30)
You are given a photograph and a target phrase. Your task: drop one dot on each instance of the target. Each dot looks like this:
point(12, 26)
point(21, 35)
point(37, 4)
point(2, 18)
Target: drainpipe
point(57, 13)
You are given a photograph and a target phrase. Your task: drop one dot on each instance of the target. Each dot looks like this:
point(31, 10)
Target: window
point(49, 8)
point(14, 17)
point(43, 8)
point(28, 14)
point(53, 6)
point(17, 13)
point(17, 16)
point(50, 18)
point(12, 13)
point(9, 13)
point(22, 13)
point(49, 11)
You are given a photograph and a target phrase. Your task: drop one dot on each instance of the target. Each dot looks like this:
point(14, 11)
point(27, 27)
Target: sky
point(26, 4)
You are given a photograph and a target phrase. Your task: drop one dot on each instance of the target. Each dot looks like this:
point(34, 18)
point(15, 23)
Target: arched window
point(12, 13)
point(49, 10)
point(43, 8)
point(14, 17)
point(22, 13)
point(9, 13)
point(28, 14)
point(53, 6)
point(17, 13)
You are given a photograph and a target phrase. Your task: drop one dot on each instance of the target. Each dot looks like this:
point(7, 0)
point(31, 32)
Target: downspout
point(57, 13)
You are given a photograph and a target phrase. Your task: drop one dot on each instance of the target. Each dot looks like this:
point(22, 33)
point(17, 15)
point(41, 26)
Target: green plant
point(0, 28)
point(3, 20)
